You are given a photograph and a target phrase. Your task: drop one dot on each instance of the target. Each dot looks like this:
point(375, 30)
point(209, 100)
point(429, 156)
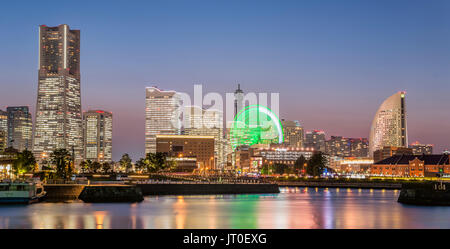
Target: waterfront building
point(419, 149)
point(201, 122)
point(20, 127)
point(161, 115)
point(98, 130)
point(3, 130)
point(389, 124)
point(238, 100)
point(7, 158)
point(58, 110)
point(388, 151)
point(412, 166)
point(315, 139)
point(353, 165)
point(183, 146)
point(293, 133)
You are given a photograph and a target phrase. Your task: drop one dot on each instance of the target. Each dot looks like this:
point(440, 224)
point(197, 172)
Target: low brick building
point(412, 166)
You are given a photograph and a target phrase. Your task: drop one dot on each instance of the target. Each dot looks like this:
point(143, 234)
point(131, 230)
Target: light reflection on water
point(292, 208)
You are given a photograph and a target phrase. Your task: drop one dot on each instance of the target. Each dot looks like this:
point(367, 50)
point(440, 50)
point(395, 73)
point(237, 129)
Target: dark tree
point(62, 160)
point(125, 162)
point(25, 162)
point(316, 164)
point(300, 164)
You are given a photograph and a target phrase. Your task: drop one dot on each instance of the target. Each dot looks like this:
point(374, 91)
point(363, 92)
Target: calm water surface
point(292, 208)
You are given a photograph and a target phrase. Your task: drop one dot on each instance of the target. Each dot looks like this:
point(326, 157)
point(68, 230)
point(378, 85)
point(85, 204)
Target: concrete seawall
point(111, 193)
point(325, 184)
point(62, 192)
point(207, 189)
point(426, 193)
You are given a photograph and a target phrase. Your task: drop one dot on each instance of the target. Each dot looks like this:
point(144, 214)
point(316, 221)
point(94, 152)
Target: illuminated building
point(161, 115)
point(389, 124)
point(20, 127)
point(388, 151)
point(238, 100)
point(412, 166)
point(7, 158)
point(200, 122)
point(200, 147)
point(3, 130)
point(315, 139)
point(97, 126)
point(293, 133)
point(419, 149)
point(353, 165)
point(58, 110)
point(346, 147)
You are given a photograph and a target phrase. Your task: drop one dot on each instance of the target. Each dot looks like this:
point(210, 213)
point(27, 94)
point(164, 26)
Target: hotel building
point(20, 127)
point(293, 133)
point(161, 115)
point(97, 135)
point(389, 124)
point(58, 109)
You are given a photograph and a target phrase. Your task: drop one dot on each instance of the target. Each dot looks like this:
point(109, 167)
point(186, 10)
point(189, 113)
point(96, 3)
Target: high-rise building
point(315, 139)
point(293, 133)
point(419, 149)
point(58, 110)
point(201, 122)
point(238, 100)
point(346, 147)
point(389, 124)
point(97, 135)
point(161, 115)
point(3, 130)
point(20, 127)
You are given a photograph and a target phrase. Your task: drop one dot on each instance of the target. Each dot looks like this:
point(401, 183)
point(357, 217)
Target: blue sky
point(333, 62)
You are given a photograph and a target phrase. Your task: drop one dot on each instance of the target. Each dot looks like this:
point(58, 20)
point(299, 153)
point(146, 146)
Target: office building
point(58, 110)
point(161, 115)
point(3, 130)
point(389, 124)
point(98, 130)
point(293, 133)
point(315, 139)
point(419, 149)
point(389, 151)
point(20, 127)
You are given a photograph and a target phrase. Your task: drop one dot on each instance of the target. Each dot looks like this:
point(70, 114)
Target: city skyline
point(106, 89)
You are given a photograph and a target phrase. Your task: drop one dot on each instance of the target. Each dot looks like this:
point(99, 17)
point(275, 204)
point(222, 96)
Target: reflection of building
point(293, 133)
point(412, 166)
point(200, 122)
point(97, 135)
point(419, 149)
point(58, 109)
point(200, 147)
point(161, 115)
point(20, 127)
point(389, 124)
point(389, 151)
point(315, 139)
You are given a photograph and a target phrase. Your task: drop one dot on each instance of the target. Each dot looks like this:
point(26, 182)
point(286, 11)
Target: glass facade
point(389, 124)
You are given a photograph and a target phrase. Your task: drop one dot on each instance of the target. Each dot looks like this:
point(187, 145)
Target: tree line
point(315, 166)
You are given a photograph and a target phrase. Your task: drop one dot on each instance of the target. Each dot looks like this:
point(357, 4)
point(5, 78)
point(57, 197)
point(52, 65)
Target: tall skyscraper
point(3, 130)
point(161, 115)
point(315, 139)
point(20, 127)
point(293, 133)
point(201, 122)
point(58, 110)
point(238, 100)
point(97, 135)
point(389, 124)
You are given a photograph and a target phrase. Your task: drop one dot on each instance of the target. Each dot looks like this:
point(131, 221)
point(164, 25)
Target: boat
point(21, 192)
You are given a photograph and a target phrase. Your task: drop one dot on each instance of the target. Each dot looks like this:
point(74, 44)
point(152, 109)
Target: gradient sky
point(333, 62)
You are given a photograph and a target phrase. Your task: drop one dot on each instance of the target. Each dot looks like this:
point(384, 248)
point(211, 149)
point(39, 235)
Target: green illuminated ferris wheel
point(256, 124)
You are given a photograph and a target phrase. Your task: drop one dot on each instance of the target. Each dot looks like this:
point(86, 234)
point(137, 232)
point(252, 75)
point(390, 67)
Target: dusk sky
point(333, 62)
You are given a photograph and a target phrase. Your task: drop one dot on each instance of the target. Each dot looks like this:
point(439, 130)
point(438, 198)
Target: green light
point(256, 124)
